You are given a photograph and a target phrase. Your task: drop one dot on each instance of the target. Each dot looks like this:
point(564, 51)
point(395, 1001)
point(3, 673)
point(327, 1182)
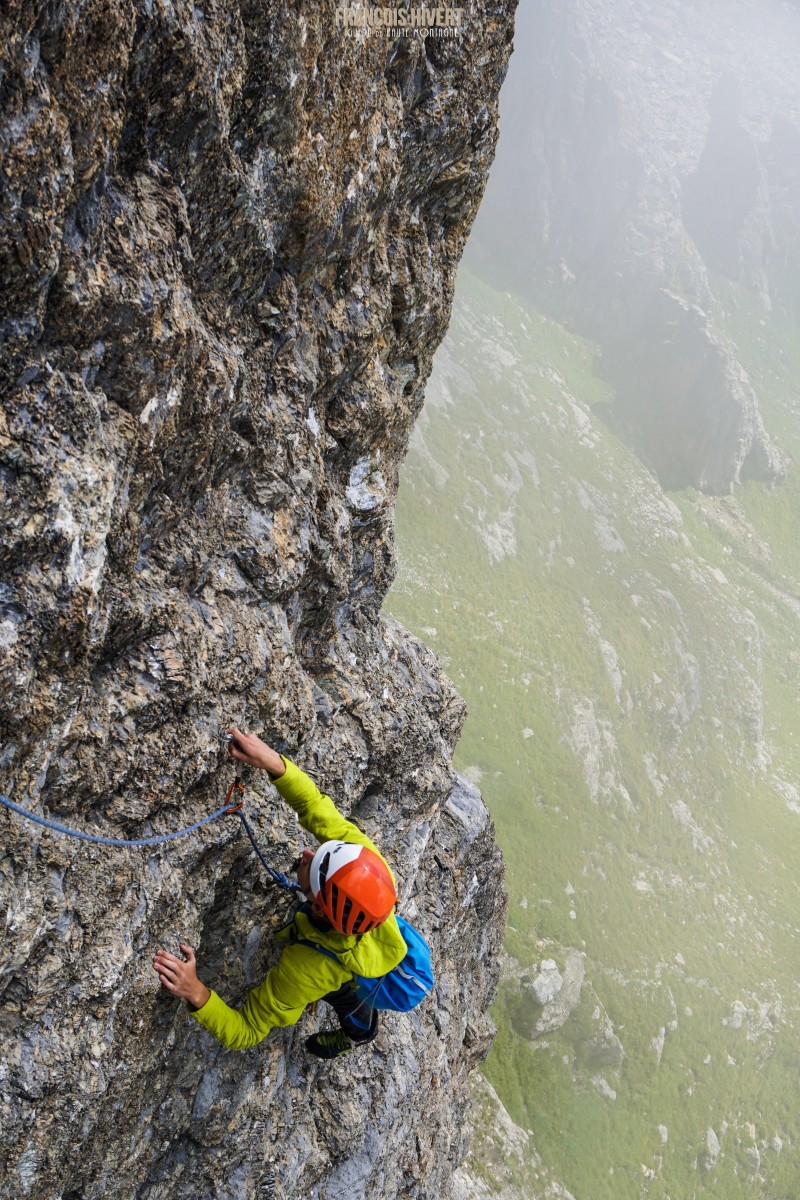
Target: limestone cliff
point(229, 235)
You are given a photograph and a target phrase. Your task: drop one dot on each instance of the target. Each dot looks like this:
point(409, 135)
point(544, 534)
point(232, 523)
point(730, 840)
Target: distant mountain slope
point(629, 661)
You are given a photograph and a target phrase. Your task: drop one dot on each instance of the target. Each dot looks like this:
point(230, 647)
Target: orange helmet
point(352, 885)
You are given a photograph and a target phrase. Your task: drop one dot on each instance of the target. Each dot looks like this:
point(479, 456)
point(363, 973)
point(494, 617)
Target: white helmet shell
point(330, 858)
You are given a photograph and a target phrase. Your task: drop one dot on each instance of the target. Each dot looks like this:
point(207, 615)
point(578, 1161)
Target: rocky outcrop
point(229, 236)
point(503, 1163)
point(649, 160)
point(546, 994)
point(707, 1158)
point(549, 996)
point(685, 400)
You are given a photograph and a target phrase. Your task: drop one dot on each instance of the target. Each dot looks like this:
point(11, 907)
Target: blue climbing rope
point(106, 841)
point(276, 876)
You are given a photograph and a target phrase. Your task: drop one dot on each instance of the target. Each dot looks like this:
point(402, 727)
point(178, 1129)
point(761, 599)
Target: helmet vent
point(353, 885)
point(323, 871)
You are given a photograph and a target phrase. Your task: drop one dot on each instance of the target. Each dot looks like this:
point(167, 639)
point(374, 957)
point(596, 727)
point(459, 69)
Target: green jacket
point(302, 974)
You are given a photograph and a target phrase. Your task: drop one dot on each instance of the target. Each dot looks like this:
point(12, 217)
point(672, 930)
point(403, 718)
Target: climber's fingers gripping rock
point(179, 976)
point(248, 748)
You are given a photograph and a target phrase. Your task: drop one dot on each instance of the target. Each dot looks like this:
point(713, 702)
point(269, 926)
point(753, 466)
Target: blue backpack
point(404, 987)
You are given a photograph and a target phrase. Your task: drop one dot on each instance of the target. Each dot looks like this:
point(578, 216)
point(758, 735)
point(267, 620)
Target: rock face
point(229, 238)
point(652, 159)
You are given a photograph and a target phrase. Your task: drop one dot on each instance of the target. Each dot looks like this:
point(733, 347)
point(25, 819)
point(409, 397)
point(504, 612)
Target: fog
point(597, 531)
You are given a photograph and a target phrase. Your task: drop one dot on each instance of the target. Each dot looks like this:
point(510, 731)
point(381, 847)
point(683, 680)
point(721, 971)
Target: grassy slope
point(642, 640)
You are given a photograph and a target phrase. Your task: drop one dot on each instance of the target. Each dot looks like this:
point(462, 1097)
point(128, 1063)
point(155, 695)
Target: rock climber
point(350, 902)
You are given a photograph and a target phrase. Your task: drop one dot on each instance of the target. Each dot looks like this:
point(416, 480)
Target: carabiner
point(237, 783)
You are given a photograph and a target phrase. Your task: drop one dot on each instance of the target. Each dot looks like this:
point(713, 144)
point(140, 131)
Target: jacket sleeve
point(317, 812)
point(301, 976)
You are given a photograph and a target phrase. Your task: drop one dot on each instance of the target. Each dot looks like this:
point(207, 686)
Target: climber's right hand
point(248, 748)
point(179, 976)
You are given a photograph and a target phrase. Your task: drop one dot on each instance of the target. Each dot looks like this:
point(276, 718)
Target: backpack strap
point(357, 979)
point(321, 949)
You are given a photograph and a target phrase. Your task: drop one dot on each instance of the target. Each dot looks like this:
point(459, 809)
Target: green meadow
point(629, 661)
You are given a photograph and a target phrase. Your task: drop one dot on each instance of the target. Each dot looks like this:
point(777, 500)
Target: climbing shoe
point(328, 1044)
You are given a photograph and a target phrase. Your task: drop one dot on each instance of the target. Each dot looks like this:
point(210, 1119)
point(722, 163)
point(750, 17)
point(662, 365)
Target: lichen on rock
point(229, 237)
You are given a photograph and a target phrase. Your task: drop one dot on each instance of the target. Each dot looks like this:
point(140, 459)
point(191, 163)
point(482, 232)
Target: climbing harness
point(226, 809)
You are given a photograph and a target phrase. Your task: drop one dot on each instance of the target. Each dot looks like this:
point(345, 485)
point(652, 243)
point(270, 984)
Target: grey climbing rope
point(277, 876)
point(106, 841)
